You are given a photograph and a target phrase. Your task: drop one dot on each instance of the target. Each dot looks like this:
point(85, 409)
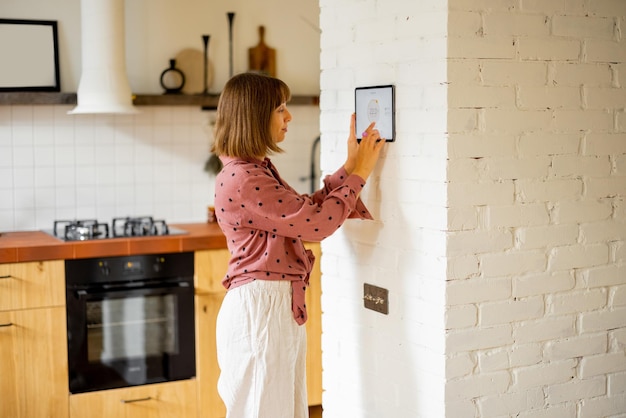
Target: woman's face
point(278, 124)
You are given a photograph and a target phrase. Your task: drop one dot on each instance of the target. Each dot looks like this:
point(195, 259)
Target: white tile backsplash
point(59, 166)
point(6, 204)
point(44, 176)
point(65, 197)
point(23, 155)
point(44, 155)
point(23, 177)
point(6, 181)
point(65, 175)
point(45, 197)
point(43, 135)
point(6, 159)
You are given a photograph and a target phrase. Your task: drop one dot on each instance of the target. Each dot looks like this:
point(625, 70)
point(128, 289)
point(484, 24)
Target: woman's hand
point(362, 157)
point(353, 146)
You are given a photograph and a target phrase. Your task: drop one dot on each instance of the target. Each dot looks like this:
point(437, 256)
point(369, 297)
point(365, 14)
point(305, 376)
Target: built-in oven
point(130, 320)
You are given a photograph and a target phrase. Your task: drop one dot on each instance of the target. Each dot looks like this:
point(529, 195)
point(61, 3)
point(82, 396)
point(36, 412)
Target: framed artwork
point(29, 55)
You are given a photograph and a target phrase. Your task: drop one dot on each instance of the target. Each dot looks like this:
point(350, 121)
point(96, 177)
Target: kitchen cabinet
point(33, 336)
point(210, 405)
point(210, 267)
point(32, 285)
point(33, 344)
point(314, 330)
point(161, 400)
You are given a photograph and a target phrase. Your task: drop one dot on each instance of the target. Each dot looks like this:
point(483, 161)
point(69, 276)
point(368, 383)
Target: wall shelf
point(207, 102)
point(32, 98)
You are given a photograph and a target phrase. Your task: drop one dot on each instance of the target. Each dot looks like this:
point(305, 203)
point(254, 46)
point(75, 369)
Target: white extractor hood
point(103, 86)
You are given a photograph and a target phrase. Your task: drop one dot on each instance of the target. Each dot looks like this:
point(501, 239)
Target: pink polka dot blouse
point(265, 222)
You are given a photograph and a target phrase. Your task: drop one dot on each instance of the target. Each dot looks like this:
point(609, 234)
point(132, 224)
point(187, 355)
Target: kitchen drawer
point(32, 285)
point(172, 399)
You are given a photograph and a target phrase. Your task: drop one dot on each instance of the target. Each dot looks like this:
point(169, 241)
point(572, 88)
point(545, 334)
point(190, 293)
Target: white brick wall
point(561, 271)
point(387, 365)
point(534, 313)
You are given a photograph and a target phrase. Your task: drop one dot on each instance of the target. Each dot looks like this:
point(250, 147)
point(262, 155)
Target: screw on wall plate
point(376, 298)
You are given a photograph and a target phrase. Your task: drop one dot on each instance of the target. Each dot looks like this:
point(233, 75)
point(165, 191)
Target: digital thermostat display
point(375, 104)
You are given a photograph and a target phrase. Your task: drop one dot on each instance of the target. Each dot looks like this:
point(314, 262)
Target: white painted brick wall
point(387, 365)
point(564, 272)
point(533, 258)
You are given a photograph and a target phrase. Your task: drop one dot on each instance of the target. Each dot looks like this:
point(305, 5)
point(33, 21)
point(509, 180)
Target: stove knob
point(104, 269)
point(158, 265)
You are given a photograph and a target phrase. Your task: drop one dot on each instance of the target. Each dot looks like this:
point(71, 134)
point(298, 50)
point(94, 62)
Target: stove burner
point(139, 226)
point(90, 229)
point(81, 230)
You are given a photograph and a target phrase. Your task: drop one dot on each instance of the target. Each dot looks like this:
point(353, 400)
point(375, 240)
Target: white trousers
point(261, 352)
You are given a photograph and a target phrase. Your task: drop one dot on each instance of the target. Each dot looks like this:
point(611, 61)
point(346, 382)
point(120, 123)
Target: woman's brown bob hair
point(244, 112)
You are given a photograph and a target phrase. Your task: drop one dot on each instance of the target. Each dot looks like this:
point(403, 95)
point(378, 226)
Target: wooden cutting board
point(191, 62)
point(262, 58)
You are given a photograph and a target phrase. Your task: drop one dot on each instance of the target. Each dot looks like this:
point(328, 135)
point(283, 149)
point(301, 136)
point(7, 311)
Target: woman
point(261, 346)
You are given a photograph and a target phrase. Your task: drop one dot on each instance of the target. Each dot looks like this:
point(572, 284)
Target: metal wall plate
point(376, 298)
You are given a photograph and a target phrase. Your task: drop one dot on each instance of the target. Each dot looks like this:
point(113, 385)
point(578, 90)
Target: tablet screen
point(375, 104)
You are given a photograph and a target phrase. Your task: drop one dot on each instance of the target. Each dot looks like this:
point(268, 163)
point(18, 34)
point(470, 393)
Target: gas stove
point(127, 227)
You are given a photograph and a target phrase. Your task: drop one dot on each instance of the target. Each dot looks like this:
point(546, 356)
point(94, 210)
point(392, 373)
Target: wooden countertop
point(25, 246)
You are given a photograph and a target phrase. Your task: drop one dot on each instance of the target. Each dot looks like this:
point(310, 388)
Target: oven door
point(130, 335)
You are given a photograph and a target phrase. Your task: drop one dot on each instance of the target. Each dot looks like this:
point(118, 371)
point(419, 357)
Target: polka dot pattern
point(265, 222)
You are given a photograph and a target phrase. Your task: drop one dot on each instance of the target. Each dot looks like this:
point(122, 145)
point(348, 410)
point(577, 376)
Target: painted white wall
point(500, 219)
point(59, 166)
point(158, 30)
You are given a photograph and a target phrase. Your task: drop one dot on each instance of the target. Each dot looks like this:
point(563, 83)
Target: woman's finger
point(353, 125)
point(368, 130)
point(373, 135)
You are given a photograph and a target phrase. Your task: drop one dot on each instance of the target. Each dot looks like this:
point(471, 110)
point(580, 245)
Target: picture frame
point(30, 56)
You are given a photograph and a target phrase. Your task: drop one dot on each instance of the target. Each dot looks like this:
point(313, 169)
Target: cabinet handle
point(8, 276)
point(8, 324)
point(136, 400)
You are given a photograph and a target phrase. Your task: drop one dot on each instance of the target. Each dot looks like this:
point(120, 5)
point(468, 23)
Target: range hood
point(103, 86)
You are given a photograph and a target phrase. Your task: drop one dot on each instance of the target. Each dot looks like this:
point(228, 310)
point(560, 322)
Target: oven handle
point(86, 292)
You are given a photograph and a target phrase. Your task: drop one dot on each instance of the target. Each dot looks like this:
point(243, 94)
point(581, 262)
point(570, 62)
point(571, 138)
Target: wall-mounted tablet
point(376, 104)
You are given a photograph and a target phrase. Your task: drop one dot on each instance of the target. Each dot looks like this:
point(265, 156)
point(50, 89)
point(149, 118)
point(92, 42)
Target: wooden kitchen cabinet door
point(33, 364)
point(32, 285)
point(210, 268)
point(314, 330)
point(210, 404)
point(162, 400)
